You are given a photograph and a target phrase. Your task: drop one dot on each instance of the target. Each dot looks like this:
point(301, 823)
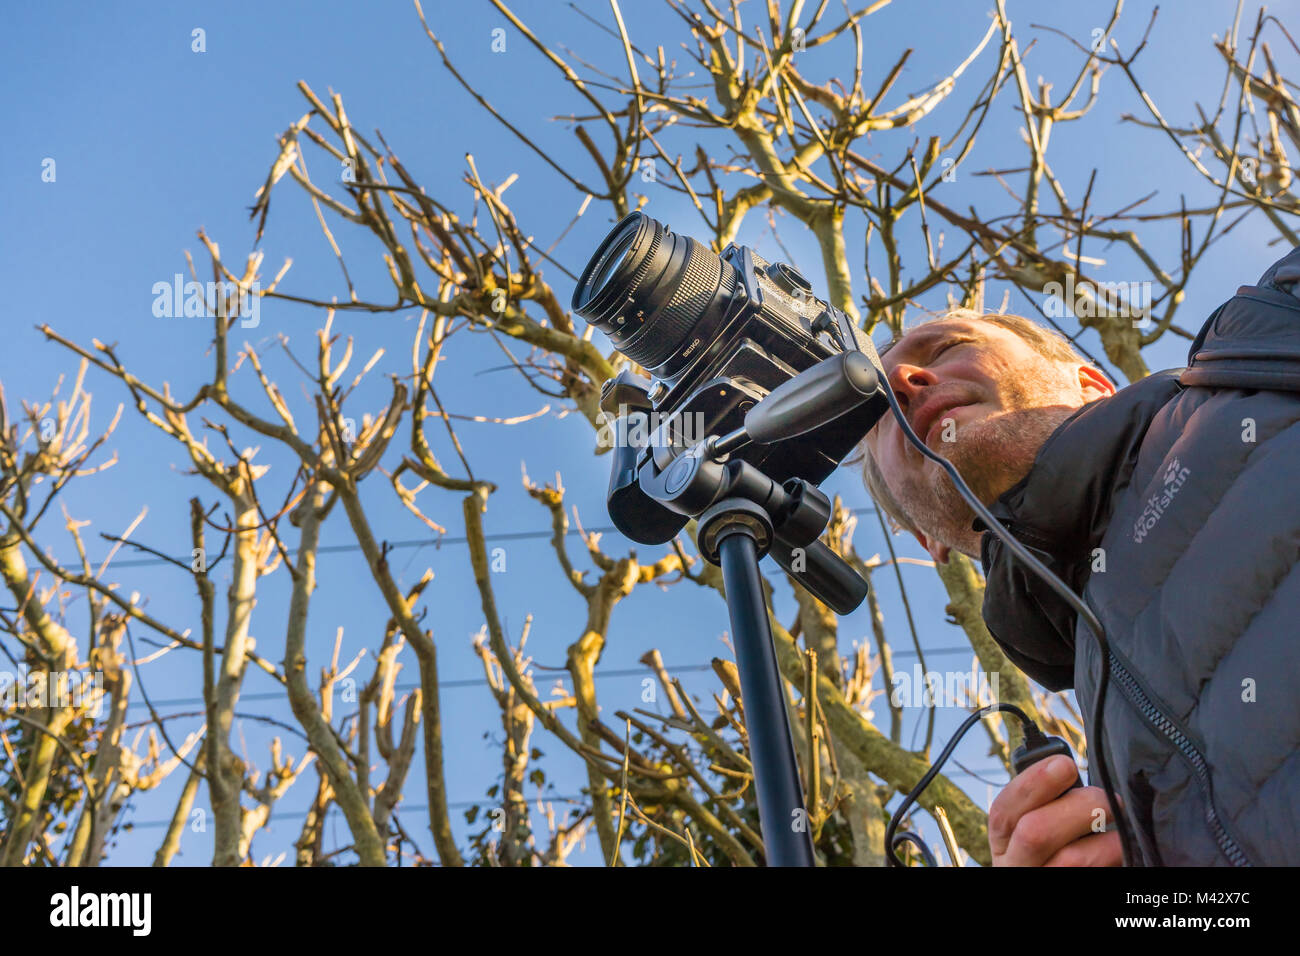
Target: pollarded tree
point(778, 118)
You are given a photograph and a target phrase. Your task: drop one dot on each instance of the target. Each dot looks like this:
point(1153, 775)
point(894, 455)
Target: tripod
point(743, 515)
point(787, 840)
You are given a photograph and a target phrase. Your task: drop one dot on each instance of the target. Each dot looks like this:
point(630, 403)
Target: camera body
point(718, 334)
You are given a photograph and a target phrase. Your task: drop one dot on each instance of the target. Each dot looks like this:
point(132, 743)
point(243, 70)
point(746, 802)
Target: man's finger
point(1044, 831)
point(1038, 784)
point(1099, 849)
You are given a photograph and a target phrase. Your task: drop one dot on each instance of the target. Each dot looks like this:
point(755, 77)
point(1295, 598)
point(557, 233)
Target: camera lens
point(606, 262)
point(654, 293)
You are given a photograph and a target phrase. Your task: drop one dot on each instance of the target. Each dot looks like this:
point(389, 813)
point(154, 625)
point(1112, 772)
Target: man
point(1169, 505)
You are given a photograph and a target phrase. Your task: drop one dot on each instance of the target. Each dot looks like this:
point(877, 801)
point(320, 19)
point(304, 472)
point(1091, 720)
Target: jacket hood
point(1060, 511)
point(1253, 339)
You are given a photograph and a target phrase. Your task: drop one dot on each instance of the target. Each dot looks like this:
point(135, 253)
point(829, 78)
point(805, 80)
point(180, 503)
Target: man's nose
point(908, 381)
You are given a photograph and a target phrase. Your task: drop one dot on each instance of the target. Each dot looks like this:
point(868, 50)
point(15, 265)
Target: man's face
point(980, 396)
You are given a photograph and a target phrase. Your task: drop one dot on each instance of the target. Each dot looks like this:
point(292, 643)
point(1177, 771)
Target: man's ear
point(1094, 384)
point(937, 551)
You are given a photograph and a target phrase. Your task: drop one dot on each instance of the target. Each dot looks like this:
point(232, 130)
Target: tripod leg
point(782, 815)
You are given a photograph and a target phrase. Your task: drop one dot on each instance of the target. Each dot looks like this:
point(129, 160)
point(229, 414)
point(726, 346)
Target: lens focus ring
point(695, 294)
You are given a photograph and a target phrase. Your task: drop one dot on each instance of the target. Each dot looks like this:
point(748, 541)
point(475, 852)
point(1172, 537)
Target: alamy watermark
point(1086, 299)
point(133, 911)
point(943, 688)
point(34, 690)
point(655, 429)
point(196, 300)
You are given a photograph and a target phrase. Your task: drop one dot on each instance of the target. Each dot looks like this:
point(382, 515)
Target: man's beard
point(991, 455)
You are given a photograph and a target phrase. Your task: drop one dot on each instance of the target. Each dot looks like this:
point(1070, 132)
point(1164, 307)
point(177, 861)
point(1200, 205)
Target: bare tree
point(746, 131)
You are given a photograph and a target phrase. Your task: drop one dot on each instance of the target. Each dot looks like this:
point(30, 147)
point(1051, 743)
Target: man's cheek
point(895, 470)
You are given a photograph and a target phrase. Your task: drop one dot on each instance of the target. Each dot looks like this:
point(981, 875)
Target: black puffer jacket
point(1173, 506)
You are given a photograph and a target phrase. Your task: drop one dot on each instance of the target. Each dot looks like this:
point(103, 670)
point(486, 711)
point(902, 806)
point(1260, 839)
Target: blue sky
point(153, 141)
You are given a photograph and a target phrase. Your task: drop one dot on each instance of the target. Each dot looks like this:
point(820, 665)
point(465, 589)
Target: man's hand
point(1033, 822)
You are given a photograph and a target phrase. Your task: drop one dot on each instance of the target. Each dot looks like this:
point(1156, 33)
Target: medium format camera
point(718, 334)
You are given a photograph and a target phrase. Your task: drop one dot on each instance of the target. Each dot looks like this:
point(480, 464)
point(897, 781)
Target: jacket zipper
point(1156, 718)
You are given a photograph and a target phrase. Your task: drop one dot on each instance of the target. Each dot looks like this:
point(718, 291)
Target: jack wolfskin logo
point(1175, 476)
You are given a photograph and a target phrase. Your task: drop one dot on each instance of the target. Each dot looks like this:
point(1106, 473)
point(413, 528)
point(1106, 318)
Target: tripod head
point(708, 481)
